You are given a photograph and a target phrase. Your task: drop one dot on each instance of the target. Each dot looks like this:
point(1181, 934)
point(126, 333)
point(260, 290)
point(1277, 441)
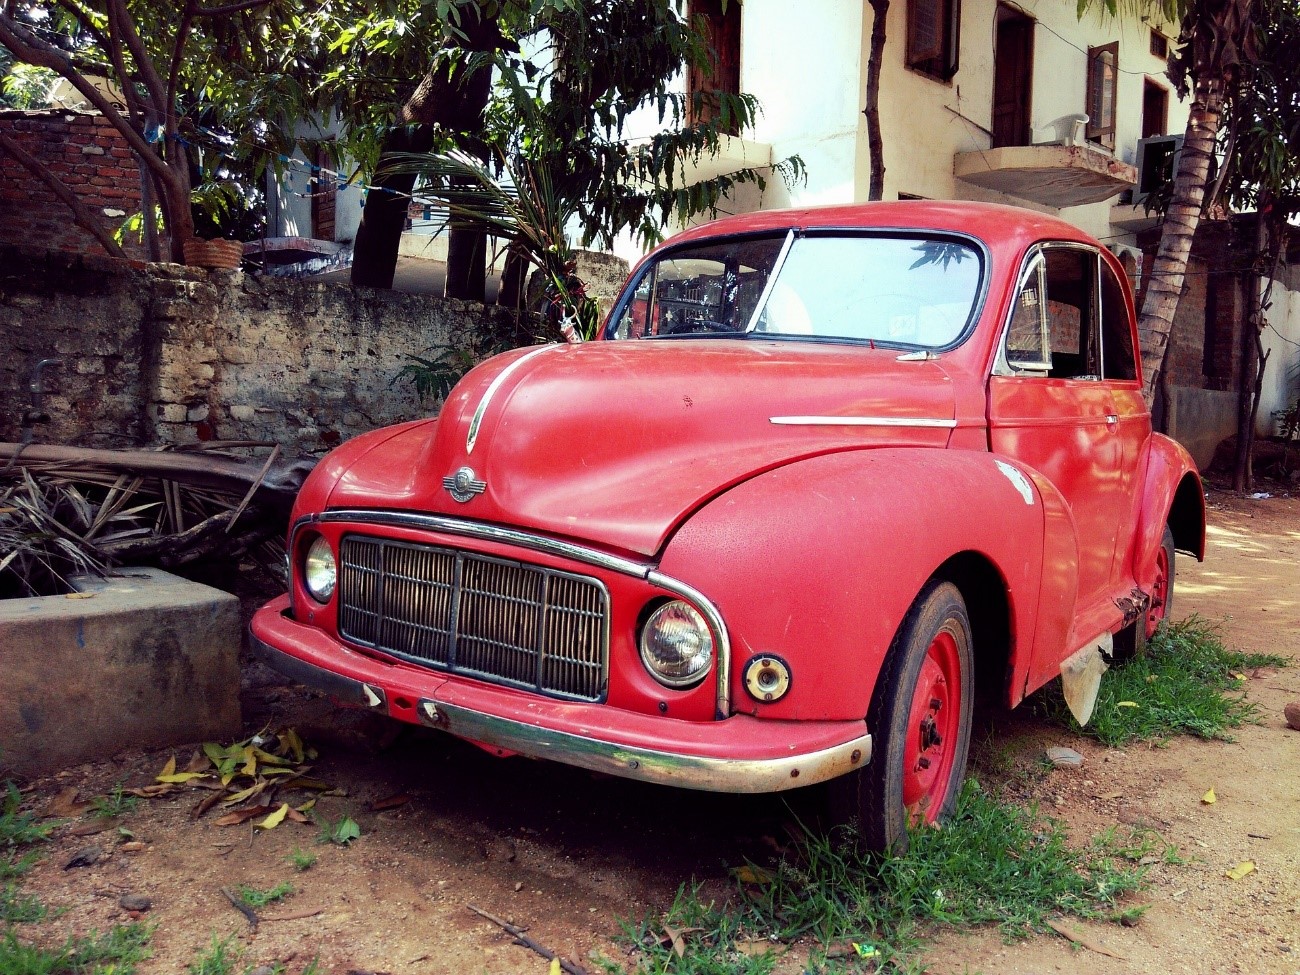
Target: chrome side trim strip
point(863, 421)
point(719, 628)
point(491, 533)
point(664, 768)
point(501, 377)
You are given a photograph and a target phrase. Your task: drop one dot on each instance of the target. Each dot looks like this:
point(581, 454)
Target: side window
point(1116, 336)
point(1054, 331)
point(1071, 275)
point(933, 28)
point(1028, 348)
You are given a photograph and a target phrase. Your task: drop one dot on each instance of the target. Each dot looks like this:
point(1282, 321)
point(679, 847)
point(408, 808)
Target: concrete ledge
point(142, 659)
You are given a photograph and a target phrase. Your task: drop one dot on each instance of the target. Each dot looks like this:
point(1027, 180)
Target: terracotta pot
point(223, 254)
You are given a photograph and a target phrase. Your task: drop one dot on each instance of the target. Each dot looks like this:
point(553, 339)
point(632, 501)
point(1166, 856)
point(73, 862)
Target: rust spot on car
point(1133, 605)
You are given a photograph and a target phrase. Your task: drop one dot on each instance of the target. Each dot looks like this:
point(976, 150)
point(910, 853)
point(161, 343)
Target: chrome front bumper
point(740, 754)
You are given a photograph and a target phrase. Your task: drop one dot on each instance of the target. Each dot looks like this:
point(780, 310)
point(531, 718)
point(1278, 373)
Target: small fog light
point(767, 678)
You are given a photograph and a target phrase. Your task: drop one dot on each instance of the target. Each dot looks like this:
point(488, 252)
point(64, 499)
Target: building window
point(720, 29)
point(933, 27)
point(1155, 109)
point(1159, 45)
point(1103, 82)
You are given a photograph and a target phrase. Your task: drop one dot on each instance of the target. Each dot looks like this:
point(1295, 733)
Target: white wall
point(1282, 341)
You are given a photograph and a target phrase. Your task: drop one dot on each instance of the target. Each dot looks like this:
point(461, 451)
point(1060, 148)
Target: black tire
point(1131, 641)
point(931, 656)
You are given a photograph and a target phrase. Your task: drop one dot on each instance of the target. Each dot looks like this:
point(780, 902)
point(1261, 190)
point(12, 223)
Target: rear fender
point(818, 561)
point(1171, 493)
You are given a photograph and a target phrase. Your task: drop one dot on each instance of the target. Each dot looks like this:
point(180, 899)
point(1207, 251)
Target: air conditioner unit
point(1157, 161)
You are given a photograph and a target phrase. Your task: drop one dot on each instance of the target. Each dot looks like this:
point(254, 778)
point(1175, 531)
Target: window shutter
point(1101, 96)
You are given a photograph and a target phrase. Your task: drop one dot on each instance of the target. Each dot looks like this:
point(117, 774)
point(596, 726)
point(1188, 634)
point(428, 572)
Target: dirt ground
point(567, 853)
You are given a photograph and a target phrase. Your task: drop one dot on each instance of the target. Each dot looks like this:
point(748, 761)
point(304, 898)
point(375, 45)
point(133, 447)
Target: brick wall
point(164, 353)
point(90, 156)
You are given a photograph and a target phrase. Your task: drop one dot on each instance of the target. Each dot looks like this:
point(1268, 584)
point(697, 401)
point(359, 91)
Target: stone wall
point(87, 154)
point(174, 354)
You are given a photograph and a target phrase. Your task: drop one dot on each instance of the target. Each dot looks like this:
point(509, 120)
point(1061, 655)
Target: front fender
point(818, 562)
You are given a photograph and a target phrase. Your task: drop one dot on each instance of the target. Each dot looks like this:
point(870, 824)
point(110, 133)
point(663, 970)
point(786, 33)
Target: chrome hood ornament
point(464, 484)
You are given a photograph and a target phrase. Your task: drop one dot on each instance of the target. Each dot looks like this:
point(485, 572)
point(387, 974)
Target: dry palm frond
point(67, 510)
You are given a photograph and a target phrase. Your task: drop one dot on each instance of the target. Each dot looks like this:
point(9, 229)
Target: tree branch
point(120, 17)
point(30, 49)
point(80, 212)
point(230, 8)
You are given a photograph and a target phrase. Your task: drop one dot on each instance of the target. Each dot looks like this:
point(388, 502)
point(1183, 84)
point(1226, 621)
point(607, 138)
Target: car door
point(1050, 408)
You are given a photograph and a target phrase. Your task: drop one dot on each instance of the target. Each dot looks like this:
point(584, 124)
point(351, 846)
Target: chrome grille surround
point(495, 619)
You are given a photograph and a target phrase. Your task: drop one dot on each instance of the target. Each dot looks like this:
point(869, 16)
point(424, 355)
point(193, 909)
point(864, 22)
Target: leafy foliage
point(341, 832)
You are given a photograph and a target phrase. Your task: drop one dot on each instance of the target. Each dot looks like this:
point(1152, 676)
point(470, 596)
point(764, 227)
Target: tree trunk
point(383, 218)
point(467, 262)
point(1170, 266)
point(450, 98)
point(875, 144)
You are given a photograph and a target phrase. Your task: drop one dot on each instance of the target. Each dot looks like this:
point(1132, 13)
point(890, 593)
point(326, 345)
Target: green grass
point(994, 863)
point(255, 898)
point(18, 828)
point(18, 908)
point(114, 805)
point(219, 958)
point(1184, 684)
point(340, 833)
point(301, 859)
point(115, 953)
point(12, 867)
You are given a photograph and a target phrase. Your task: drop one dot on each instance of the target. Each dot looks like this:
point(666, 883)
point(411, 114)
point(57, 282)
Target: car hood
point(616, 443)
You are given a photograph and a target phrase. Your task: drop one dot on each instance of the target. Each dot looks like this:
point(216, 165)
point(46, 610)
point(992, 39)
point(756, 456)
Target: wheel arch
point(988, 607)
point(1187, 516)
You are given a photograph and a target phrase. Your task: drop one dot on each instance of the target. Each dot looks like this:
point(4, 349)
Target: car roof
point(986, 221)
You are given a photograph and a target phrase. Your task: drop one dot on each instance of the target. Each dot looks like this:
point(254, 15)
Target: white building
point(979, 100)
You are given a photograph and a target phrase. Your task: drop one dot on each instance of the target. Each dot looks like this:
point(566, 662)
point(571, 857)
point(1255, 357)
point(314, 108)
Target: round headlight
point(319, 571)
point(676, 644)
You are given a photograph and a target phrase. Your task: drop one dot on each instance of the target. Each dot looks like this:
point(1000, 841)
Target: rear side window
point(1116, 335)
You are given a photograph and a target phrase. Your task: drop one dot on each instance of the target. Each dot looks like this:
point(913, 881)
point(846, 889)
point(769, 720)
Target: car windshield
point(896, 290)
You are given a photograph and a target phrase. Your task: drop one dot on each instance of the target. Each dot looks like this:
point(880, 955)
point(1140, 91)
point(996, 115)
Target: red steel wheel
point(1162, 589)
point(920, 718)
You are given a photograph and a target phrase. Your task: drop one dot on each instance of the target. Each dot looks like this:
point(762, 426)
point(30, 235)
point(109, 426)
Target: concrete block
point(144, 659)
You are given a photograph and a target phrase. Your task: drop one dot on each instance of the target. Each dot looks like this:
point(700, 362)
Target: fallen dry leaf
point(65, 805)
point(1209, 798)
point(750, 874)
point(79, 595)
point(1244, 869)
point(391, 802)
point(242, 815)
point(755, 949)
point(275, 818)
point(677, 938)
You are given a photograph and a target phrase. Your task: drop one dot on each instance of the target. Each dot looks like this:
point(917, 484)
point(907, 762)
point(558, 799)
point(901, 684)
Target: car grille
point(503, 621)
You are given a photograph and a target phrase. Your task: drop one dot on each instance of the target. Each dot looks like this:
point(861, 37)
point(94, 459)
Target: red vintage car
point(827, 474)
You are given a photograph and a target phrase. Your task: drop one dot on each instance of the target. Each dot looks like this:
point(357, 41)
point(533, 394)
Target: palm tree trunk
point(1170, 266)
